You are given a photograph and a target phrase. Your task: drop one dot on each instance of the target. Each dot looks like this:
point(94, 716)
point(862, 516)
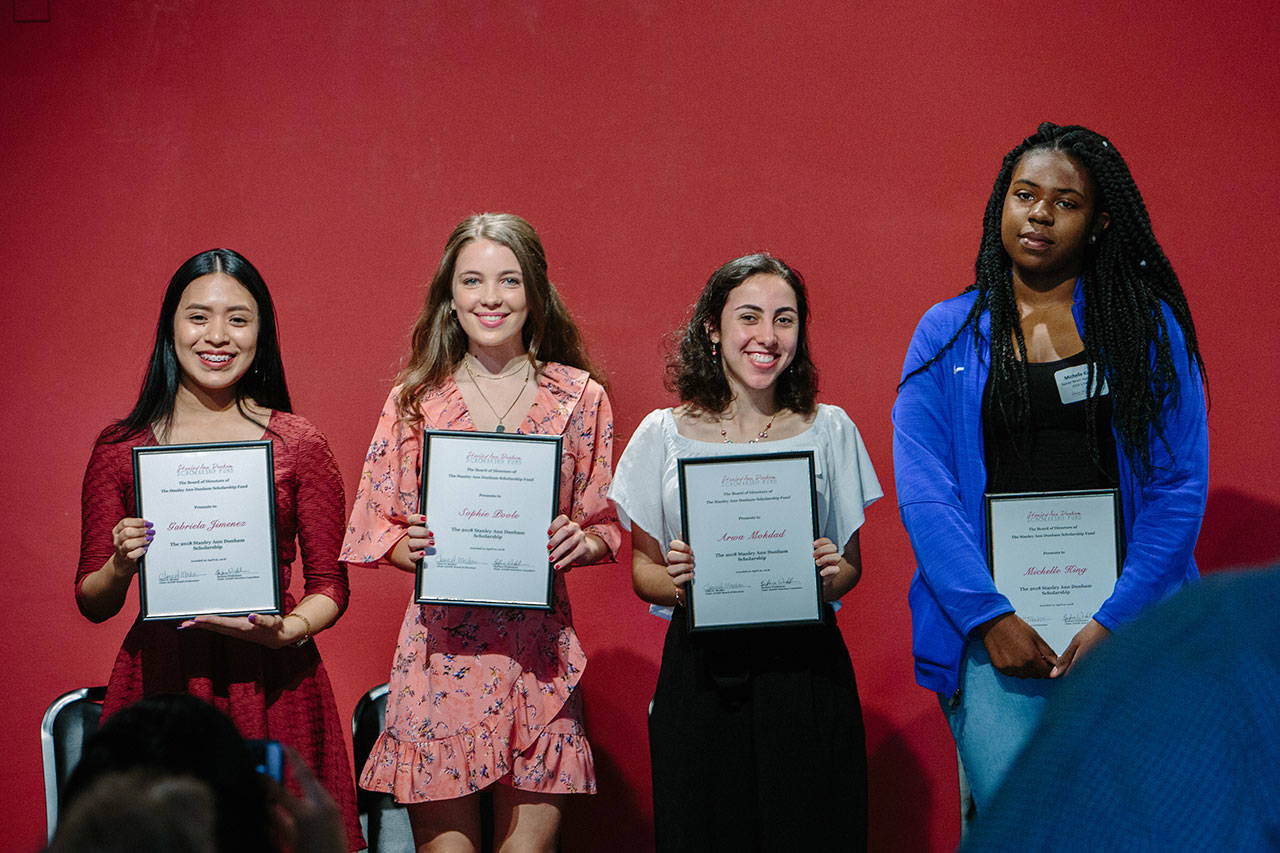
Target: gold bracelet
point(306, 638)
point(679, 603)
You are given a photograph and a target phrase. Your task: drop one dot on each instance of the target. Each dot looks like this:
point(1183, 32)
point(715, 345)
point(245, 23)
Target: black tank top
point(1053, 455)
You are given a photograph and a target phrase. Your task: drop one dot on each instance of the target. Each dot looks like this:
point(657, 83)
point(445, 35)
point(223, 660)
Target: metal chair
point(69, 721)
point(385, 822)
point(968, 809)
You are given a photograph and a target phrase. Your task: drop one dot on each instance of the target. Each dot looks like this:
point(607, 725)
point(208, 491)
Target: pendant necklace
point(500, 428)
point(761, 436)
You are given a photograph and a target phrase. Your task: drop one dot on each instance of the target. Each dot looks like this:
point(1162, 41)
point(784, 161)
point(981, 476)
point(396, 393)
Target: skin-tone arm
point(568, 544)
point(840, 572)
point(1081, 644)
point(412, 547)
point(313, 614)
point(102, 593)
point(571, 546)
point(1016, 648)
point(656, 577)
point(660, 579)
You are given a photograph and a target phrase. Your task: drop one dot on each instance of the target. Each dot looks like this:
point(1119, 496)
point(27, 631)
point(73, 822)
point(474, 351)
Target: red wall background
point(337, 144)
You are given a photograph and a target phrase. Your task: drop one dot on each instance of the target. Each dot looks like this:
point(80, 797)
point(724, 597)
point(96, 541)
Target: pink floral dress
point(481, 694)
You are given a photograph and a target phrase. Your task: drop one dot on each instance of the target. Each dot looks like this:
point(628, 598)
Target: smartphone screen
point(268, 758)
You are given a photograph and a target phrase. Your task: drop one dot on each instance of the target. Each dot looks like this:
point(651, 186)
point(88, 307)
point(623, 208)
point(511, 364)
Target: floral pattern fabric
point(480, 694)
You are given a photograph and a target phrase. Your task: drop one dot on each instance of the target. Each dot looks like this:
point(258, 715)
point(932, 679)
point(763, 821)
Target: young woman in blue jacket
point(1069, 274)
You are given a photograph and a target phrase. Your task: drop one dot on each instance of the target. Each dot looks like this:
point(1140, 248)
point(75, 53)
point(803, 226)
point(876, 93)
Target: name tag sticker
point(1071, 383)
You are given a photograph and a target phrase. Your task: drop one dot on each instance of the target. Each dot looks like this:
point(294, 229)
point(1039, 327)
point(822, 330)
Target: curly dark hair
point(1126, 278)
point(698, 376)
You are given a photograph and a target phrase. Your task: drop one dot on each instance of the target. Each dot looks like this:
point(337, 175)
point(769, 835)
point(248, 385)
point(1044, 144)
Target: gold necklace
point(516, 399)
point(522, 366)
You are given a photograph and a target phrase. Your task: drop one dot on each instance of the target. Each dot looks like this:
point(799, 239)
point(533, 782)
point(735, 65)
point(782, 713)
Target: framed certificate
point(214, 511)
point(751, 521)
point(489, 498)
point(1055, 556)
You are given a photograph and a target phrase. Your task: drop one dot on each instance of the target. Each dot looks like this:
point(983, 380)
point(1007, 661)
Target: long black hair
point(263, 383)
point(1126, 279)
point(697, 375)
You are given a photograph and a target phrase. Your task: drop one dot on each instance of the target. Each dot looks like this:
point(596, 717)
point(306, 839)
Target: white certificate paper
point(1055, 556)
point(489, 499)
point(751, 521)
point(213, 507)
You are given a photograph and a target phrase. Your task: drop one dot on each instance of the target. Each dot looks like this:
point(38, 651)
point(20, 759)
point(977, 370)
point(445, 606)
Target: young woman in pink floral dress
point(487, 694)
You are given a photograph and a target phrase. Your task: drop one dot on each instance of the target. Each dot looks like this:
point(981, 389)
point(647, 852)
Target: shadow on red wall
point(619, 818)
point(1239, 530)
point(899, 789)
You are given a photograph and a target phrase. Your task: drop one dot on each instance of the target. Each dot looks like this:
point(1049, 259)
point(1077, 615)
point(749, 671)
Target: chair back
point(385, 822)
point(67, 724)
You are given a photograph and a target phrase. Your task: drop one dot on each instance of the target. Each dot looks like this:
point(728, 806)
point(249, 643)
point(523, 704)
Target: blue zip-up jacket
point(940, 471)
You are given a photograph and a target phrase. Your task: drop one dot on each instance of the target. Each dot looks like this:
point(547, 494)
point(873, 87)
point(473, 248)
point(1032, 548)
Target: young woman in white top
point(756, 735)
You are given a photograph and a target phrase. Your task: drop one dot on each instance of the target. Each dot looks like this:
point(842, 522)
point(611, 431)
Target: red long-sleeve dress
point(278, 694)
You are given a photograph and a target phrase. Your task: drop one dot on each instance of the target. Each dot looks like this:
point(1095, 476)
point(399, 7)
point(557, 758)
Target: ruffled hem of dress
point(414, 772)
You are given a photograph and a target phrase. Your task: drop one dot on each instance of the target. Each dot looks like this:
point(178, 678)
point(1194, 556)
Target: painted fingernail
point(253, 617)
point(151, 534)
point(148, 524)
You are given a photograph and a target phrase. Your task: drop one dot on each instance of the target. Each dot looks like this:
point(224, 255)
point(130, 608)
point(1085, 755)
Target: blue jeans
point(991, 719)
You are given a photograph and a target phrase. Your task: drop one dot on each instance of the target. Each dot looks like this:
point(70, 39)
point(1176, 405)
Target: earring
point(1093, 238)
point(715, 350)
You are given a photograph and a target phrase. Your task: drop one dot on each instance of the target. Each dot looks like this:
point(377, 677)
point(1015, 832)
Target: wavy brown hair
point(439, 343)
point(697, 375)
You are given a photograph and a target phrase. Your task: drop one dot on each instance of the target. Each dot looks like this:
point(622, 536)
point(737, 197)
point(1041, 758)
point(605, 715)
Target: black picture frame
point(486, 441)
point(1049, 588)
point(151, 575)
point(738, 463)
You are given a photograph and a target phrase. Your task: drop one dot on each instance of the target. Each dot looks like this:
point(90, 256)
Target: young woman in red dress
point(216, 375)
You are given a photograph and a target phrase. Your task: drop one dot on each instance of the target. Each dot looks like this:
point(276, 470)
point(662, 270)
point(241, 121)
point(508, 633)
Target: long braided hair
point(1125, 277)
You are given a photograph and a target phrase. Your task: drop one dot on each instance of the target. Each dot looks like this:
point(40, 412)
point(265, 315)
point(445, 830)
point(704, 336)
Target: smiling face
point(489, 299)
point(1049, 216)
point(759, 332)
point(215, 333)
